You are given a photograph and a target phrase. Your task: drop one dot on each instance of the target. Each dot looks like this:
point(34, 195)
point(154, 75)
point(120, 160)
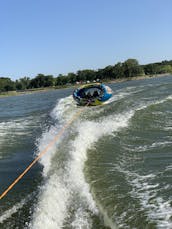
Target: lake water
point(112, 168)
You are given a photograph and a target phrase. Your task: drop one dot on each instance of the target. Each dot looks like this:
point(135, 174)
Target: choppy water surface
point(112, 168)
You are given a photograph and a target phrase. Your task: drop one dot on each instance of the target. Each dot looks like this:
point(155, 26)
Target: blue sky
point(62, 36)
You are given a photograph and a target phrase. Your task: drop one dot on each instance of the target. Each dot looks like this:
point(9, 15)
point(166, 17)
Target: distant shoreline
point(38, 90)
point(139, 78)
point(32, 91)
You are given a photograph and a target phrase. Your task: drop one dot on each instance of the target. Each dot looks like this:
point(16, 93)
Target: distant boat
point(92, 94)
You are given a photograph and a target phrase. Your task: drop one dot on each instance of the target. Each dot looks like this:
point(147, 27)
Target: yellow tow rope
point(41, 153)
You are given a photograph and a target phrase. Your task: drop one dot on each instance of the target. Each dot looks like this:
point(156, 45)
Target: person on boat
point(83, 95)
point(89, 95)
point(95, 94)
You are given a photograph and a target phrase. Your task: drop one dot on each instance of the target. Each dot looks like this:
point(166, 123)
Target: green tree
point(48, 81)
point(6, 84)
point(22, 83)
point(61, 80)
point(108, 72)
point(151, 69)
point(18, 85)
point(132, 68)
point(72, 77)
point(165, 69)
point(86, 74)
point(118, 70)
point(100, 74)
point(38, 81)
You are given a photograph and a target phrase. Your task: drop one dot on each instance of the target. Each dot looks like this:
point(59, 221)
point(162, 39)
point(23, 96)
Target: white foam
point(167, 128)
point(169, 97)
point(168, 168)
point(52, 207)
point(14, 127)
point(58, 191)
point(11, 129)
point(64, 110)
point(164, 100)
point(81, 219)
point(8, 213)
point(123, 93)
point(158, 210)
point(145, 105)
point(158, 144)
point(144, 148)
point(45, 139)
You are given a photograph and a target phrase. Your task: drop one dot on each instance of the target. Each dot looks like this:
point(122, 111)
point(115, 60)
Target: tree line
point(127, 69)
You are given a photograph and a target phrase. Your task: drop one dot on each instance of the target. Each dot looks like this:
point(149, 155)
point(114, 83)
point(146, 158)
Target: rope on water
point(42, 152)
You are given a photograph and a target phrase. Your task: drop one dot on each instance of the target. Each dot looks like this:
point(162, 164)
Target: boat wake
point(65, 196)
point(110, 168)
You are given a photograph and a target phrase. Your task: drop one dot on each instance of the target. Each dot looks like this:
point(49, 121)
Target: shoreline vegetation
point(120, 72)
point(45, 89)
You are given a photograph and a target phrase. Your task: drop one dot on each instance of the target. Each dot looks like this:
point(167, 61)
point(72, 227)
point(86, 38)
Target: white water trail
point(60, 187)
point(14, 129)
point(58, 191)
point(158, 209)
point(9, 213)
